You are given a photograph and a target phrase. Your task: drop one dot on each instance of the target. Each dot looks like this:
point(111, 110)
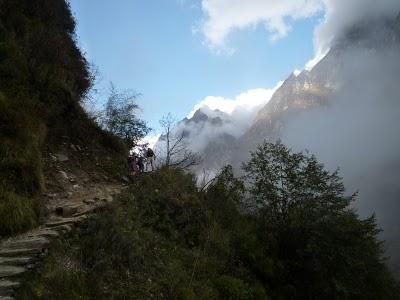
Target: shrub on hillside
point(165, 239)
point(319, 245)
point(44, 77)
point(21, 179)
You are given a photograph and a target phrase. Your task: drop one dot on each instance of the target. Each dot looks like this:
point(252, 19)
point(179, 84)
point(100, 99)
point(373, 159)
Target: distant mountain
point(364, 104)
point(210, 133)
point(313, 89)
point(218, 138)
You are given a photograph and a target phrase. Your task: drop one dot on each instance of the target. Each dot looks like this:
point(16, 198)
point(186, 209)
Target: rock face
point(308, 90)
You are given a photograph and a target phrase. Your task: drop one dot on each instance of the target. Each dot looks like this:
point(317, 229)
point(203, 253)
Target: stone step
point(89, 201)
point(10, 271)
point(15, 261)
point(31, 242)
point(7, 287)
point(6, 298)
point(62, 228)
point(85, 211)
point(19, 252)
point(107, 199)
point(47, 233)
point(65, 221)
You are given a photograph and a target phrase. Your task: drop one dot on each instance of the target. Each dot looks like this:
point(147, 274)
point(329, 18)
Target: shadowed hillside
point(43, 80)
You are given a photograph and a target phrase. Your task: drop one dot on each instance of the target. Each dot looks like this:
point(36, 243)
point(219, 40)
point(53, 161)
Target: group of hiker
point(137, 161)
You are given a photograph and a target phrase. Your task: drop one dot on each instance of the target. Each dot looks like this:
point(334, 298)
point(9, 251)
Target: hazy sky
point(176, 53)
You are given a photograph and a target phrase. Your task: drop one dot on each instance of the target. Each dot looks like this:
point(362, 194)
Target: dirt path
point(25, 252)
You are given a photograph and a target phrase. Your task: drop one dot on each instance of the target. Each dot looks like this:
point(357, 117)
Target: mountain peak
point(199, 116)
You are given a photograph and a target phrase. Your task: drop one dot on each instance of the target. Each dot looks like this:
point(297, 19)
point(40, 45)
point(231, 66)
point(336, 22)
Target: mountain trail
point(24, 252)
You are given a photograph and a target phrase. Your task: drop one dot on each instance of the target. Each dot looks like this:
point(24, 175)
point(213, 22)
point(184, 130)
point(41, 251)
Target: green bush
point(21, 177)
point(165, 239)
point(232, 288)
point(17, 213)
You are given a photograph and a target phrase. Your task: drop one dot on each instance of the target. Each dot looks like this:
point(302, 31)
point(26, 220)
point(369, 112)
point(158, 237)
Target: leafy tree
point(320, 246)
point(120, 116)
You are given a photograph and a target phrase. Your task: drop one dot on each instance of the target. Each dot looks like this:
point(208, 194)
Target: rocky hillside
point(306, 91)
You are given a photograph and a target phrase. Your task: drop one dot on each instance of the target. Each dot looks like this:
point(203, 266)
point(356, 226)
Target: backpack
point(149, 153)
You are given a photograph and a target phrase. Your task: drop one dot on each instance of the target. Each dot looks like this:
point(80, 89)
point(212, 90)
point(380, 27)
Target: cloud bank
point(221, 17)
point(249, 101)
point(359, 134)
point(342, 14)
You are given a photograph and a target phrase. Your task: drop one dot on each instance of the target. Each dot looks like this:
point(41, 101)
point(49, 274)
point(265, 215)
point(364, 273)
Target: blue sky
point(157, 48)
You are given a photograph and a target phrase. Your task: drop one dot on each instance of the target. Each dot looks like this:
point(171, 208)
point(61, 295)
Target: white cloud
point(340, 14)
point(248, 100)
point(296, 72)
point(316, 59)
point(223, 16)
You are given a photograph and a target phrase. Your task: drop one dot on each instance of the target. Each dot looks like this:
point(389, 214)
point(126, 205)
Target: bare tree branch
point(177, 152)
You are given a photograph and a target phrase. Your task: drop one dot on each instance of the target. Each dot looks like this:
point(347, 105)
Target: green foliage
point(43, 75)
point(44, 78)
point(65, 276)
point(21, 138)
point(165, 239)
point(232, 288)
point(20, 168)
point(17, 213)
point(319, 246)
point(121, 118)
point(157, 241)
